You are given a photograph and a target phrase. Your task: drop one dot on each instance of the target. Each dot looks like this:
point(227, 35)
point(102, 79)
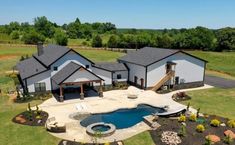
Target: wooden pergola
point(81, 83)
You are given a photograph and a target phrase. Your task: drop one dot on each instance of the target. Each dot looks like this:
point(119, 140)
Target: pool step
point(151, 121)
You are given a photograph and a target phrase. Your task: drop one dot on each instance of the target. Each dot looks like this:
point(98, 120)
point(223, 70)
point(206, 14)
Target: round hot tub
point(100, 128)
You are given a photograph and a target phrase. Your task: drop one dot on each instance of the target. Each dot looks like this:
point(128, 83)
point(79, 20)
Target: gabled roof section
point(30, 67)
point(149, 55)
point(111, 66)
point(67, 71)
point(51, 53)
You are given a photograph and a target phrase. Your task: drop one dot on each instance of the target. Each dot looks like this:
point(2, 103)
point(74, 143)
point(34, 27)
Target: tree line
point(194, 38)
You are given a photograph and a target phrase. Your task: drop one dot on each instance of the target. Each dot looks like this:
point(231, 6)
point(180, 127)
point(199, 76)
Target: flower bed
point(31, 117)
point(180, 96)
point(189, 135)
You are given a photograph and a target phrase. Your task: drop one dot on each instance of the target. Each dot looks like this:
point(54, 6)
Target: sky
point(146, 14)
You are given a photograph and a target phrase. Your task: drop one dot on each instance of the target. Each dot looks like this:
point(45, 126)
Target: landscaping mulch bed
point(32, 119)
point(192, 136)
point(63, 142)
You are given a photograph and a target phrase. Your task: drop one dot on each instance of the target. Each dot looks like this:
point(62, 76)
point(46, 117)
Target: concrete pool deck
point(112, 100)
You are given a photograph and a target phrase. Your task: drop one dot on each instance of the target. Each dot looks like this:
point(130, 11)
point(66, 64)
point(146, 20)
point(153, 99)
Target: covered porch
point(83, 89)
point(76, 81)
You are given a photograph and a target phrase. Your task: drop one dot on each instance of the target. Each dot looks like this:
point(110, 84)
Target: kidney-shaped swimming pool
point(122, 118)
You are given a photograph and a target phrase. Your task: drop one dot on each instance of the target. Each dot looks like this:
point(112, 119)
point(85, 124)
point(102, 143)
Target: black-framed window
point(40, 87)
point(55, 68)
point(119, 76)
point(87, 66)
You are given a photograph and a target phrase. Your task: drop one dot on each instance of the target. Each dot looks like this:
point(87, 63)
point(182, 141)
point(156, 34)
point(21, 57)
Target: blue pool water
point(122, 118)
point(101, 128)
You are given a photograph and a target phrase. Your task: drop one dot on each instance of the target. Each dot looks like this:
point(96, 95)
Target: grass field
point(218, 61)
point(140, 139)
point(214, 101)
point(15, 134)
point(211, 101)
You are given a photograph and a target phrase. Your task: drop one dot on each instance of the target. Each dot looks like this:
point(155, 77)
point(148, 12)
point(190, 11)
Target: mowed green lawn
point(214, 101)
point(15, 134)
point(218, 61)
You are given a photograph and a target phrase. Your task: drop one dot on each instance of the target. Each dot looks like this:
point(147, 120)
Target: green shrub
point(182, 131)
point(200, 128)
point(29, 107)
point(215, 123)
point(38, 117)
point(231, 123)
point(193, 117)
point(228, 139)
point(182, 118)
point(208, 141)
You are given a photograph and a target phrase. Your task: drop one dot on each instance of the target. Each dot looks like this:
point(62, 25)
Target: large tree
point(226, 39)
point(44, 26)
point(61, 37)
point(96, 41)
point(113, 41)
point(32, 37)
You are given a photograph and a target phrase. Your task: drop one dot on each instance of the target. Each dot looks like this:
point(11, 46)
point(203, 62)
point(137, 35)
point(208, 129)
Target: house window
point(119, 76)
point(55, 68)
point(40, 87)
point(87, 66)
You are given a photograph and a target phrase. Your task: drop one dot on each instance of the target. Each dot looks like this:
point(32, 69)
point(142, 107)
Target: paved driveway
point(219, 82)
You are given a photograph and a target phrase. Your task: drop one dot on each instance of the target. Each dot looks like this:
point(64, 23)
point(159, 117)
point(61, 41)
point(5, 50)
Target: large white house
point(57, 68)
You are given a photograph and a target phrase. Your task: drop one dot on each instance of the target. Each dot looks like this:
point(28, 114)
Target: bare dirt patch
point(10, 56)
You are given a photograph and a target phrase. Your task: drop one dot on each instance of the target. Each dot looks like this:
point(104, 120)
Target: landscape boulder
point(213, 138)
point(230, 133)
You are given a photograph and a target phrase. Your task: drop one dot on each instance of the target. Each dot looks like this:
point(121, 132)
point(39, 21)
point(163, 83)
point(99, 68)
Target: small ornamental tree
point(97, 41)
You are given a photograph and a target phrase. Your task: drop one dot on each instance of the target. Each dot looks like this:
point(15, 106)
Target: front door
point(142, 83)
point(176, 80)
point(168, 68)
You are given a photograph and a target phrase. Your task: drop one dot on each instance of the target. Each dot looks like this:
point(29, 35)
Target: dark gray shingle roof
point(147, 55)
point(111, 66)
point(65, 72)
point(29, 67)
point(51, 54)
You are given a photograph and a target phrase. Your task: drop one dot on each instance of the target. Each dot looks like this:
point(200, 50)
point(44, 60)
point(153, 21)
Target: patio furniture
point(53, 126)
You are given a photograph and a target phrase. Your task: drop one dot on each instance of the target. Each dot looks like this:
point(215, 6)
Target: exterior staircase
point(167, 77)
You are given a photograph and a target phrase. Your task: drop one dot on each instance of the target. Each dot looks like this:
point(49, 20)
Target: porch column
point(61, 97)
point(101, 90)
point(82, 93)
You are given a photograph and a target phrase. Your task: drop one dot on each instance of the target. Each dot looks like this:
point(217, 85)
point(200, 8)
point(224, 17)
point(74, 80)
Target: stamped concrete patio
point(112, 100)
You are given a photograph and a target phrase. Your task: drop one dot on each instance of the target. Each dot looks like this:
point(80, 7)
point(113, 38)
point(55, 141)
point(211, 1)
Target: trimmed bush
point(182, 118)
point(208, 141)
point(193, 117)
point(215, 123)
point(200, 128)
point(231, 123)
point(228, 139)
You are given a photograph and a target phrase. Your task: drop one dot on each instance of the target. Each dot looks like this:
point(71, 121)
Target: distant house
point(57, 68)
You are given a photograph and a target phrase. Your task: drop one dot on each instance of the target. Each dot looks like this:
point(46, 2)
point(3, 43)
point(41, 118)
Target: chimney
point(40, 48)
